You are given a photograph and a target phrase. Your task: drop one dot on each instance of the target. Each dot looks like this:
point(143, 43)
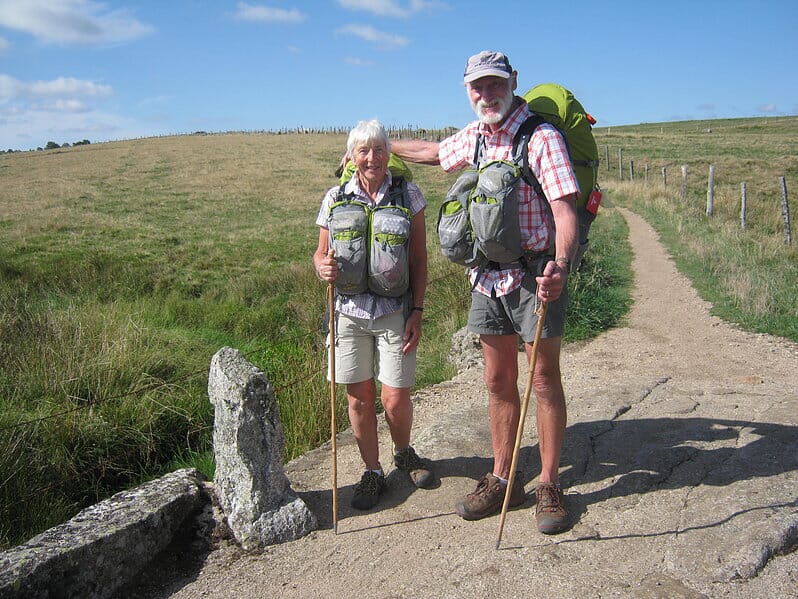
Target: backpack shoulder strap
point(397, 192)
point(478, 150)
point(521, 150)
point(342, 195)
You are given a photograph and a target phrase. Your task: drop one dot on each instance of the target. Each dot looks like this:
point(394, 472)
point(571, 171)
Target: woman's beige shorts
point(367, 349)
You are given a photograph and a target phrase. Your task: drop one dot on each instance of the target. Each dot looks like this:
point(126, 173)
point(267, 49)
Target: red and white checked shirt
point(548, 159)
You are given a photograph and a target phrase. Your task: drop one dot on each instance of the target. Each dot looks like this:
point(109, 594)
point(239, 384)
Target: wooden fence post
point(664, 177)
point(744, 206)
point(711, 191)
point(684, 182)
point(645, 170)
point(785, 211)
point(631, 170)
point(620, 164)
point(607, 159)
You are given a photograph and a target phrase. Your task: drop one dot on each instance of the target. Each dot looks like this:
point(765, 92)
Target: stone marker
point(248, 441)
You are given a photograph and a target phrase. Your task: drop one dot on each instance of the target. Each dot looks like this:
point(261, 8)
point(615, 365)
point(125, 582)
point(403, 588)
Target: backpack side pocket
point(348, 229)
point(389, 264)
point(454, 226)
point(493, 210)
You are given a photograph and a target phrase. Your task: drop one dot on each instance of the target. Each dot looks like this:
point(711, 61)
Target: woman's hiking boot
point(488, 498)
point(550, 513)
point(368, 490)
point(419, 469)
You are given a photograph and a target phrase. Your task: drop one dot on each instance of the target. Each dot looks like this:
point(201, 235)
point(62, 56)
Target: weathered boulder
point(248, 440)
point(105, 545)
point(466, 350)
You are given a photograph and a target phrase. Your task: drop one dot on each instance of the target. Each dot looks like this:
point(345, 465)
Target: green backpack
point(557, 106)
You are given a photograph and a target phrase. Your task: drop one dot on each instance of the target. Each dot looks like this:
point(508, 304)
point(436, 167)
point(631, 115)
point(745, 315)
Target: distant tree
point(83, 142)
point(51, 145)
point(65, 144)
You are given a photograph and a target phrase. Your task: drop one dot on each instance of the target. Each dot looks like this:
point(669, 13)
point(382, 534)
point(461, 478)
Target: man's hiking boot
point(550, 512)
point(488, 498)
point(419, 469)
point(368, 490)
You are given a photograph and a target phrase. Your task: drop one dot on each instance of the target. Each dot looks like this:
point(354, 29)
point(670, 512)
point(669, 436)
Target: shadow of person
point(642, 455)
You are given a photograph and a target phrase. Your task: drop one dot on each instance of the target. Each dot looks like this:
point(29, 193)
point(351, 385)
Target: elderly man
point(504, 295)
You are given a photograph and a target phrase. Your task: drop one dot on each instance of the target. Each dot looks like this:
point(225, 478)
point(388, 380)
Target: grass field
point(124, 266)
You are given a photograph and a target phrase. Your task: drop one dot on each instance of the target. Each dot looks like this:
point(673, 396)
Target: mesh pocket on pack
point(454, 227)
point(493, 211)
point(348, 227)
point(389, 272)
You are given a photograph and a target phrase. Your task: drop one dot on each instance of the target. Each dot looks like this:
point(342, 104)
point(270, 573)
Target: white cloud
point(39, 111)
point(389, 8)
point(61, 121)
point(69, 86)
point(268, 14)
point(63, 105)
point(71, 21)
point(368, 33)
point(11, 88)
point(358, 62)
point(768, 109)
point(3, 45)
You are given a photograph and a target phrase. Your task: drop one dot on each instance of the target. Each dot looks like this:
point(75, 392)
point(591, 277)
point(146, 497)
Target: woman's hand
point(327, 269)
point(412, 332)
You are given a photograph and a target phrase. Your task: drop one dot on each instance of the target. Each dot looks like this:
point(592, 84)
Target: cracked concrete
point(680, 463)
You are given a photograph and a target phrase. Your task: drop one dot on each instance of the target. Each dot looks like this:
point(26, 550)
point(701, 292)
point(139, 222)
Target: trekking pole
point(520, 432)
point(333, 428)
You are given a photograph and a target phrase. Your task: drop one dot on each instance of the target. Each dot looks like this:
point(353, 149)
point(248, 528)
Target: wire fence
point(626, 172)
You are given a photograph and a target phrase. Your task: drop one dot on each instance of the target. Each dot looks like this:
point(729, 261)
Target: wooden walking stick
point(333, 428)
point(524, 405)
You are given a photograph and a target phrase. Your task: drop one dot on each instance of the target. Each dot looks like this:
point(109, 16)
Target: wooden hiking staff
point(333, 428)
point(520, 432)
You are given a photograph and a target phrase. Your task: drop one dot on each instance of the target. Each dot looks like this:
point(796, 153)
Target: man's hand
point(552, 281)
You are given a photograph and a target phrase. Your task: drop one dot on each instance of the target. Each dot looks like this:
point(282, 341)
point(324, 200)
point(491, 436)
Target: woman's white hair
point(367, 133)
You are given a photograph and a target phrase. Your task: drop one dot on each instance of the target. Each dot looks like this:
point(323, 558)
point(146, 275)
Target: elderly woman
point(374, 225)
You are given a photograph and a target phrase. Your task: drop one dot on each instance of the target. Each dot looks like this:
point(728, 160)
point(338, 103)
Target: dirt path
point(681, 466)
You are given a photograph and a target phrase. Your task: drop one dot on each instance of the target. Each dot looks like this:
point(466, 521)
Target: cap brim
point(486, 73)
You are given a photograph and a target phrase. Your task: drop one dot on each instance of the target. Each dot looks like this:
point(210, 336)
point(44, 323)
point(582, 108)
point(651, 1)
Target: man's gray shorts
point(515, 313)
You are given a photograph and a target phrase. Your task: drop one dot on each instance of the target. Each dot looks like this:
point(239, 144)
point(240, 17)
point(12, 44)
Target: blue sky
point(112, 69)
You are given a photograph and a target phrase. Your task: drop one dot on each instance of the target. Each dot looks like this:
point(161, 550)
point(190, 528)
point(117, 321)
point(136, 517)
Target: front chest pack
point(372, 243)
point(478, 220)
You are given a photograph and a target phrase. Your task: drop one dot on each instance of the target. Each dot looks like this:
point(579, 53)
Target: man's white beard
point(504, 104)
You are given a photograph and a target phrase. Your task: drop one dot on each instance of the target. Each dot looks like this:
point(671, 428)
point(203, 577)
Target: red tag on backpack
point(593, 201)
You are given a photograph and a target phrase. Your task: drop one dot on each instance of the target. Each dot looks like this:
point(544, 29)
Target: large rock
point(248, 440)
point(105, 545)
